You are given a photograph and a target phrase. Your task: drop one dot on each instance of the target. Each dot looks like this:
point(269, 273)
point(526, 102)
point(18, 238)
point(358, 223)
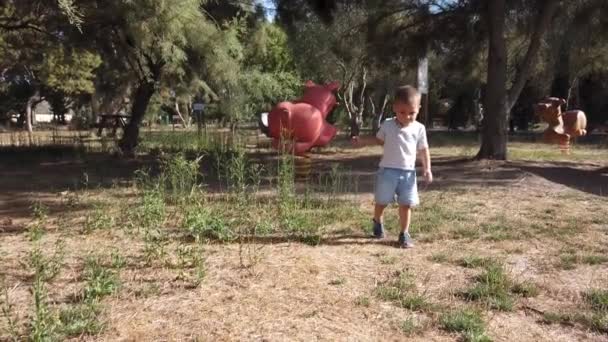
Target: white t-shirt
point(401, 143)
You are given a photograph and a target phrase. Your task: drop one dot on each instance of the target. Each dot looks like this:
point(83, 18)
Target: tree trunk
point(179, 113)
point(494, 129)
point(561, 80)
point(379, 115)
point(29, 114)
point(30, 118)
point(498, 102)
point(541, 25)
point(143, 94)
point(355, 112)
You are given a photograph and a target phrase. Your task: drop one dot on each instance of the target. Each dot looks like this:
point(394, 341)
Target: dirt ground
point(300, 292)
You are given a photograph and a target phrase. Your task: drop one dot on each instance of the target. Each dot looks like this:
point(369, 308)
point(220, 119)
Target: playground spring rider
point(562, 126)
point(298, 126)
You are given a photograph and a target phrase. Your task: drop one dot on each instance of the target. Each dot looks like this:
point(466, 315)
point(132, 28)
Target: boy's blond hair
point(407, 94)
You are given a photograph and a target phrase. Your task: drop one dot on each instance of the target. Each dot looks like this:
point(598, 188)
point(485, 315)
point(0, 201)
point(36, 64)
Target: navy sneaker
point(405, 240)
point(378, 230)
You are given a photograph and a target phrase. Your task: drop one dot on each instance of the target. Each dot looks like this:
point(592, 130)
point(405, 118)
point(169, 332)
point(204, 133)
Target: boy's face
point(406, 112)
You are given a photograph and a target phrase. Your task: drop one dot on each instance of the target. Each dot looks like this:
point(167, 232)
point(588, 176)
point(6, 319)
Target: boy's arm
point(362, 141)
point(378, 139)
point(425, 157)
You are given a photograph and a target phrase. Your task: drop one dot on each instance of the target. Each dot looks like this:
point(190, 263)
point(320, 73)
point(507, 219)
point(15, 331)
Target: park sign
point(198, 106)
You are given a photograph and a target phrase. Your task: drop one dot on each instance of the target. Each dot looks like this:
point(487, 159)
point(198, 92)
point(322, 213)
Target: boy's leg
point(386, 184)
point(378, 213)
point(407, 193)
point(405, 217)
point(378, 221)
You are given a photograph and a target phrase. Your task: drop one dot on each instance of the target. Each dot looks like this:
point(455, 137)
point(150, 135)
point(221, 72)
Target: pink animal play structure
point(301, 125)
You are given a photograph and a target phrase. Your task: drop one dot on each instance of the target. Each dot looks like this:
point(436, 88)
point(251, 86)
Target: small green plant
point(99, 280)
point(469, 233)
point(410, 327)
point(43, 324)
point(36, 227)
point(147, 290)
point(80, 319)
point(475, 261)
point(568, 261)
point(500, 229)
point(202, 224)
point(179, 177)
point(362, 301)
point(98, 220)
point(44, 266)
point(594, 321)
point(155, 241)
point(150, 213)
point(237, 173)
point(594, 259)
point(310, 238)
point(467, 322)
point(71, 199)
point(570, 258)
point(401, 290)
point(8, 312)
point(148, 218)
point(293, 217)
point(439, 258)
point(286, 180)
point(333, 184)
point(492, 288)
point(388, 259)
point(117, 260)
point(525, 289)
point(599, 322)
point(597, 299)
point(191, 257)
point(557, 318)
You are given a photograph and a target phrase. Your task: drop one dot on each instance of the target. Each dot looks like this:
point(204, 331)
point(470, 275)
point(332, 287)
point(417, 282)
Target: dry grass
point(274, 287)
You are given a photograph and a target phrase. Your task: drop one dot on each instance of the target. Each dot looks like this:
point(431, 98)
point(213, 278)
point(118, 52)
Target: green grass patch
point(476, 261)
point(362, 301)
point(410, 327)
point(495, 289)
point(401, 290)
point(597, 299)
point(100, 281)
point(467, 322)
point(439, 258)
point(80, 319)
point(569, 259)
point(525, 289)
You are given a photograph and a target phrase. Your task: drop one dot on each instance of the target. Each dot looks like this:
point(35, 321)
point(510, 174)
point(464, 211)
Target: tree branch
point(542, 23)
point(362, 97)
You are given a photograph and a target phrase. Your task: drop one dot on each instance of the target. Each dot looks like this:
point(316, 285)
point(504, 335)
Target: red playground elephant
point(301, 124)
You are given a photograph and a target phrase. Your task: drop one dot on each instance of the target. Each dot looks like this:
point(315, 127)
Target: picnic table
point(111, 121)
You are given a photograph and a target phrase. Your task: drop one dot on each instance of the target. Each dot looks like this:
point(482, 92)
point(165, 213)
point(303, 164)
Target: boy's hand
point(428, 176)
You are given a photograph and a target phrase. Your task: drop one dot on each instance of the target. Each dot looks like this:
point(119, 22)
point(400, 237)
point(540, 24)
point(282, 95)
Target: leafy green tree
point(156, 42)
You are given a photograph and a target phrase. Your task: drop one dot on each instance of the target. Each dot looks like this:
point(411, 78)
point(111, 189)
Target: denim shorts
point(391, 182)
